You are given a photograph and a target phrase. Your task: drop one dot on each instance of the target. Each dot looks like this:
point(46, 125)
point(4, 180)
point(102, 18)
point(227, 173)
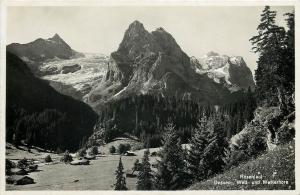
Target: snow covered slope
point(78, 81)
point(232, 72)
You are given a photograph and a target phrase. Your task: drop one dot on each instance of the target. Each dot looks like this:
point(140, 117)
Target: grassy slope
point(278, 164)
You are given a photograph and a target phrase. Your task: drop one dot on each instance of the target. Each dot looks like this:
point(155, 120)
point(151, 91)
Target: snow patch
point(93, 68)
point(25, 59)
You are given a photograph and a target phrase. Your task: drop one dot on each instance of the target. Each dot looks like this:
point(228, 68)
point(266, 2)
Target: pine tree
point(120, 179)
point(212, 160)
point(145, 177)
point(171, 173)
point(136, 166)
point(198, 143)
point(287, 71)
point(268, 43)
point(207, 148)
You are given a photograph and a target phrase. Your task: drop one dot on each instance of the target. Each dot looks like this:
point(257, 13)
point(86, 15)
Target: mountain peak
point(212, 53)
point(136, 22)
point(56, 37)
point(161, 29)
point(136, 25)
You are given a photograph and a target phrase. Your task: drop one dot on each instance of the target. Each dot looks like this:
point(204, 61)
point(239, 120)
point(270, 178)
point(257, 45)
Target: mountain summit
point(231, 71)
point(153, 63)
point(57, 38)
point(40, 50)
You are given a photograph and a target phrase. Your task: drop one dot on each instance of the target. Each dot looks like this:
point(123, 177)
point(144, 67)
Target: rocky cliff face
point(41, 50)
point(232, 72)
point(153, 63)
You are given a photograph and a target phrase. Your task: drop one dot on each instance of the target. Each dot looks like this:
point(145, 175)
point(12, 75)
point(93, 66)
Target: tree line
point(146, 115)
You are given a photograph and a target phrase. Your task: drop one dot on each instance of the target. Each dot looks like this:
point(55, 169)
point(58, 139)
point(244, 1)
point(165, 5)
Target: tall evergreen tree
point(171, 173)
point(287, 71)
point(207, 148)
point(213, 154)
point(120, 179)
point(269, 44)
point(198, 143)
point(145, 177)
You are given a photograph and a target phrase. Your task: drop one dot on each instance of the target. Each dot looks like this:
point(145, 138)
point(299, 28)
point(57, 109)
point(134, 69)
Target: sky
point(198, 30)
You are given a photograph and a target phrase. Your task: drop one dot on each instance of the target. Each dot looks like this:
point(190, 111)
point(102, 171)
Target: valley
point(99, 175)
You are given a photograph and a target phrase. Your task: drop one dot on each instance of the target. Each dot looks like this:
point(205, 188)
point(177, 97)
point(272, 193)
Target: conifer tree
point(171, 173)
point(120, 179)
point(145, 177)
point(198, 143)
point(287, 70)
point(207, 148)
point(212, 161)
point(268, 43)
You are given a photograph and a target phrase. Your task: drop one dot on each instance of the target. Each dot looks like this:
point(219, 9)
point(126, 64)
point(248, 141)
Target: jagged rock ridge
point(153, 63)
point(232, 72)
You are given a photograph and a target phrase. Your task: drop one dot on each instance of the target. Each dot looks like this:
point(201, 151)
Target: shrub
point(8, 166)
point(234, 157)
point(112, 149)
point(81, 152)
point(23, 164)
point(136, 166)
point(97, 138)
point(66, 157)
point(286, 132)
point(123, 148)
point(94, 150)
point(249, 143)
point(154, 153)
point(48, 159)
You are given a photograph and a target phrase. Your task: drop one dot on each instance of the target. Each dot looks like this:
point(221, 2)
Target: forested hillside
point(41, 116)
point(146, 115)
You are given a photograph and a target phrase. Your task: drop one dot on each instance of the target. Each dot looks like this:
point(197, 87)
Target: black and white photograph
point(149, 97)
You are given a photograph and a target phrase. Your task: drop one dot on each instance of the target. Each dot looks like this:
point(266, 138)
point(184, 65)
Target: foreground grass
point(276, 166)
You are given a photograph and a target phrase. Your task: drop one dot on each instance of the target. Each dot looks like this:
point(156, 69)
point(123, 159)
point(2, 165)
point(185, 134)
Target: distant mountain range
point(145, 63)
point(153, 63)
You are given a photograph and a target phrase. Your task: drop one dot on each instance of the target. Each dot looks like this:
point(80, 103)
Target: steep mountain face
point(41, 50)
point(29, 99)
point(153, 63)
point(232, 72)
